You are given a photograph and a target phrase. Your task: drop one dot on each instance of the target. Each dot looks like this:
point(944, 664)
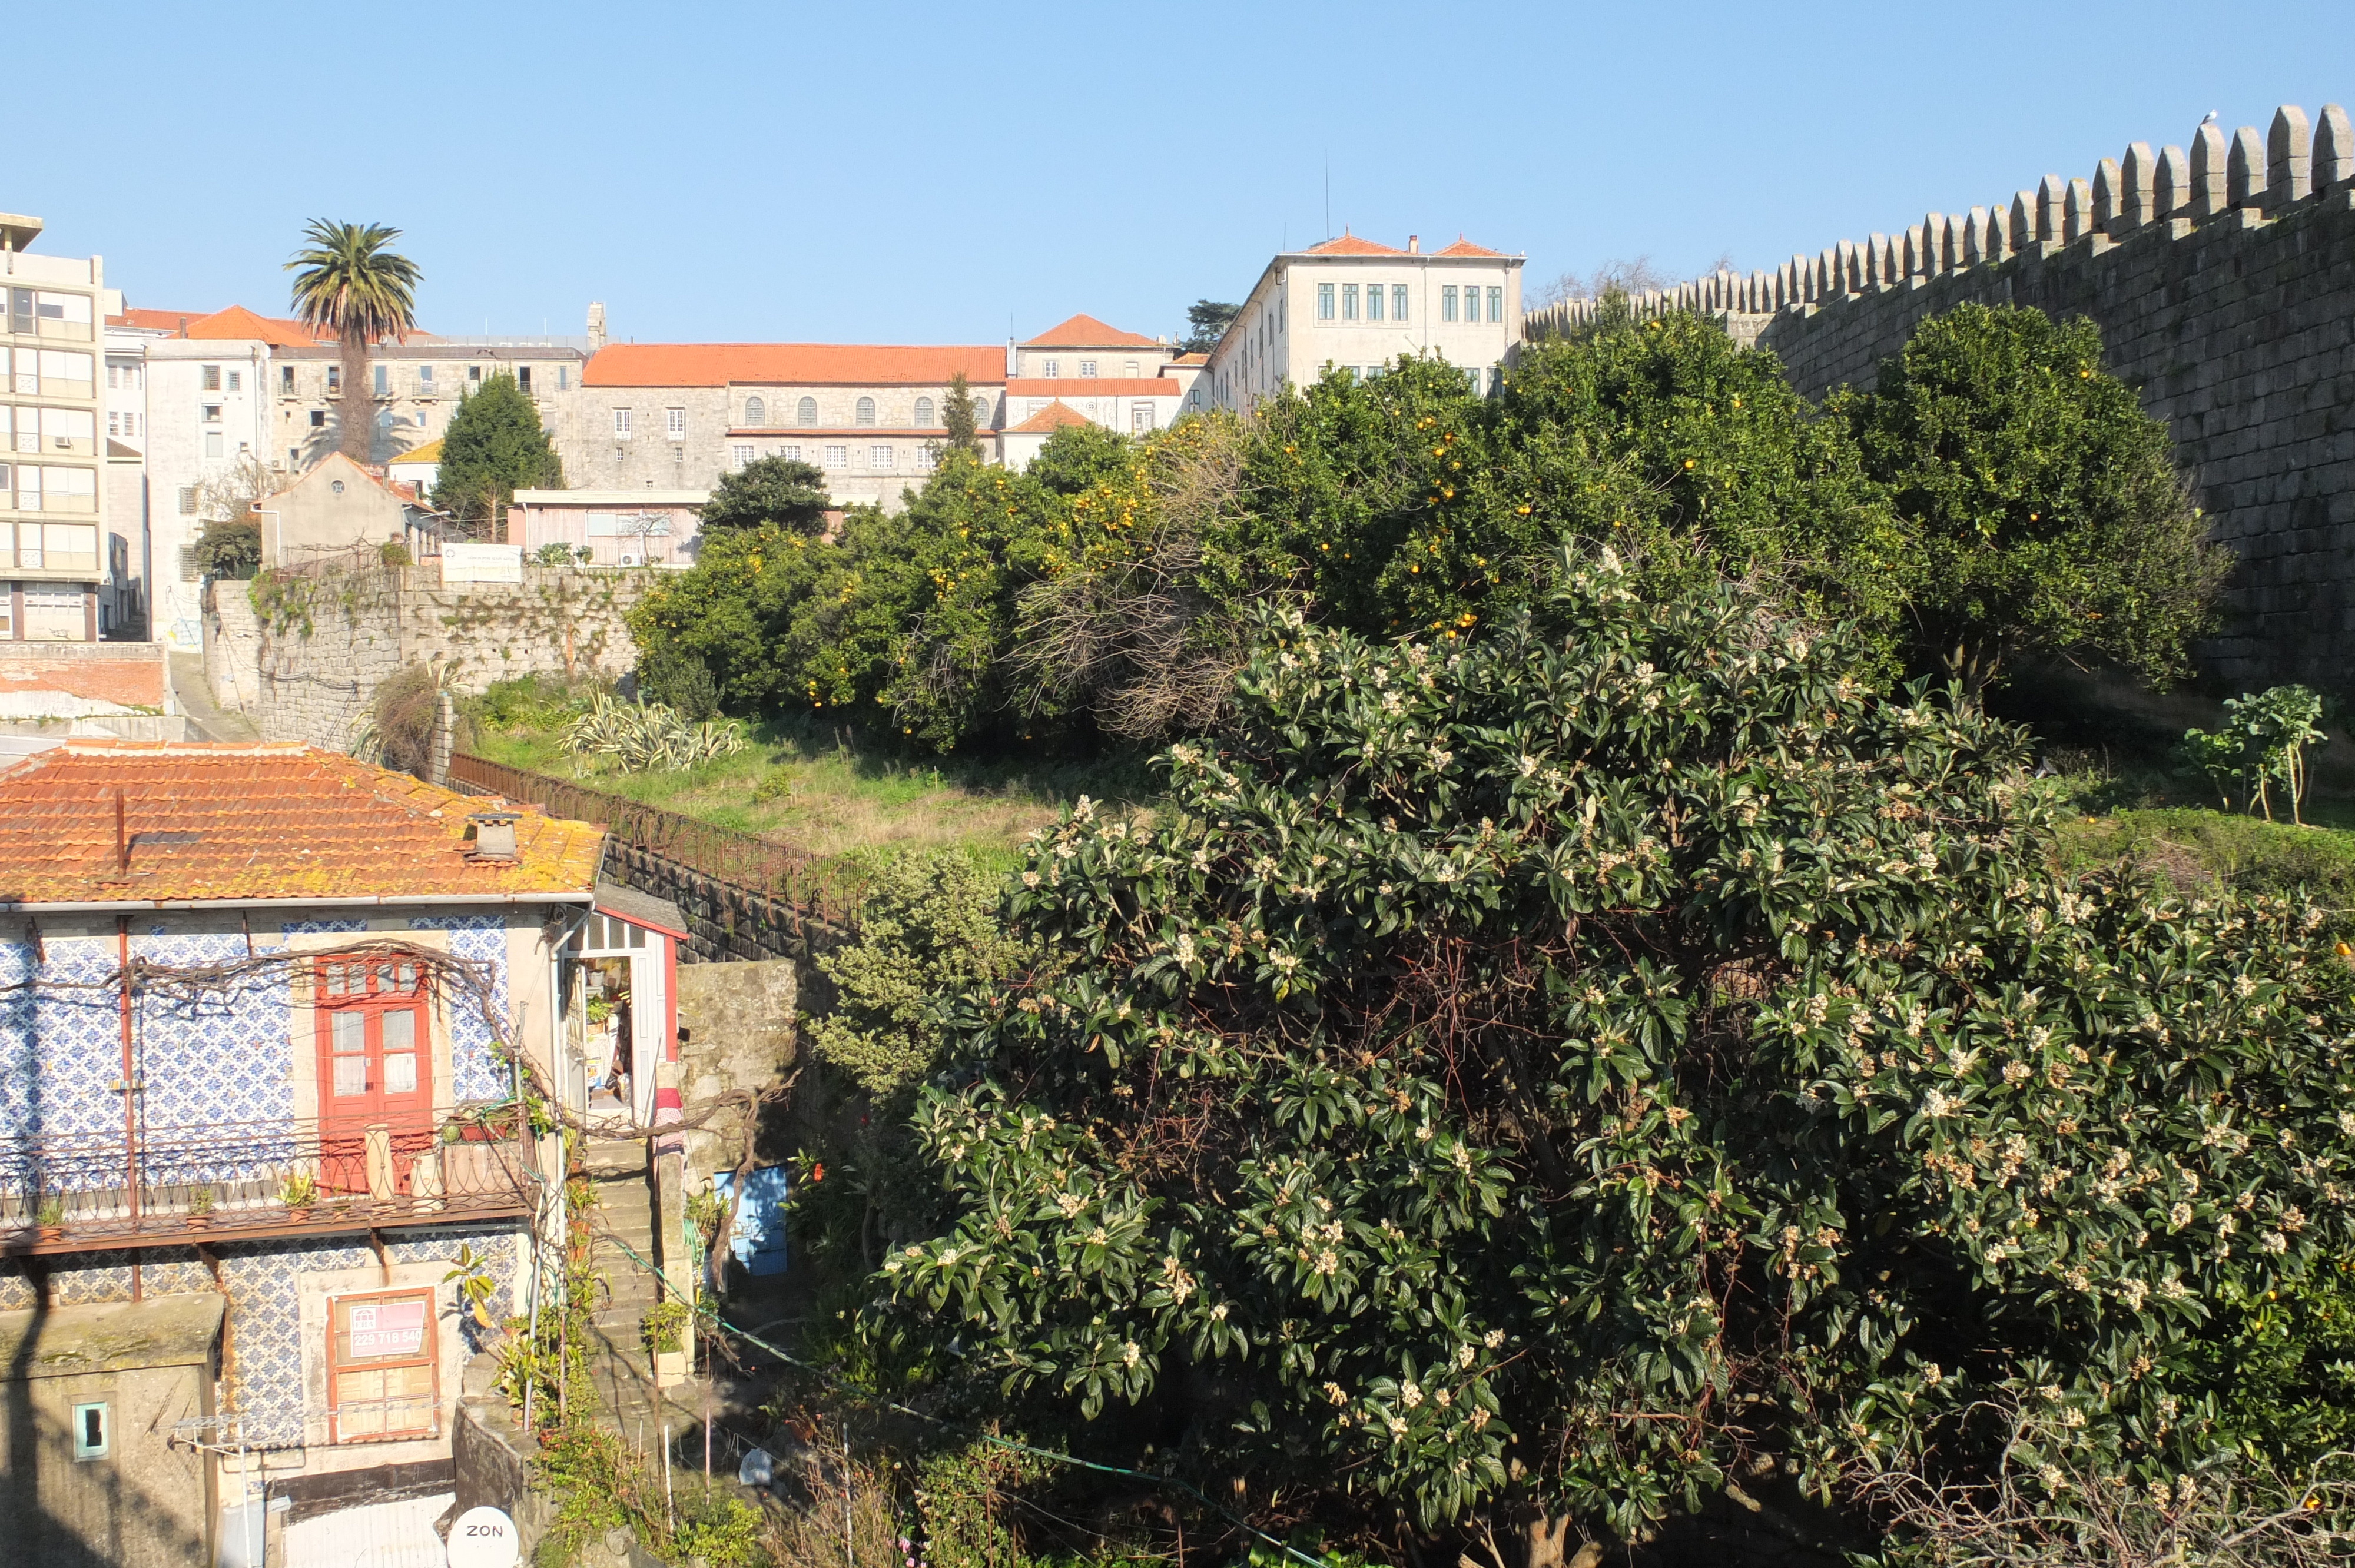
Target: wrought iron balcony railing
point(179, 1185)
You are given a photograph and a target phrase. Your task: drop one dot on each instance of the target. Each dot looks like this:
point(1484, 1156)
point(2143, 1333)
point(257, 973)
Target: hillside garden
point(1462, 978)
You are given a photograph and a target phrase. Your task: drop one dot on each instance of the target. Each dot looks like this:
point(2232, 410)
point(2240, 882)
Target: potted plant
point(200, 1209)
point(298, 1192)
point(52, 1217)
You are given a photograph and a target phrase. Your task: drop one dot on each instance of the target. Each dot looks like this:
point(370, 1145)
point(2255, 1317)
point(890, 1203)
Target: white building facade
point(53, 492)
point(1354, 304)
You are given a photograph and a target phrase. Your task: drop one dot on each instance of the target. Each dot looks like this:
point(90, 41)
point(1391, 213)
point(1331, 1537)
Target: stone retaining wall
point(302, 654)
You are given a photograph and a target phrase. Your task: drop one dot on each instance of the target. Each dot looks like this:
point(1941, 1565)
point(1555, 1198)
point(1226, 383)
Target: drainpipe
point(259, 511)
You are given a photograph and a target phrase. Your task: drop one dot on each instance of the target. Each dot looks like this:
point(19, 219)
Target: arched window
point(867, 411)
point(807, 412)
point(756, 413)
point(924, 413)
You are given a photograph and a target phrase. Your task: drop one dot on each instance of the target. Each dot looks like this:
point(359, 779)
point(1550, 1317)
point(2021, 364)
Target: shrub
point(406, 709)
point(1560, 1073)
point(640, 738)
point(2263, 745)
point(393, 553)
point(677, 679)
point(554, 554)
point(767, 492)
point(2047, 514)
point(927, 927)
point(231, 551)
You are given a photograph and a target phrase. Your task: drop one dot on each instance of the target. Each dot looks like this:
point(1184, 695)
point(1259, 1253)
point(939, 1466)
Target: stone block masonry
point(2223, 283)
point(302, 653)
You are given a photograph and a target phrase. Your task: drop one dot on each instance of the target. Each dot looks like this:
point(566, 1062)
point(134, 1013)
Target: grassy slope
point(810, 788)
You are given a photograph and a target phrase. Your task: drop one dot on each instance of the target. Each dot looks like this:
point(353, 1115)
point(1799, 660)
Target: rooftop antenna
point(1328, 193)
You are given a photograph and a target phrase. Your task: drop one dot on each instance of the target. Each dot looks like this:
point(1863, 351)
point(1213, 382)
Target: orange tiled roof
point(230, 823)
point(238, 325)
point(1191, 359)
point(1351, 245)
point(792, 364)
point(155, 320)
point(1464, 247)
point(1094, 386)
point(1086, 331)
point(1049, 419)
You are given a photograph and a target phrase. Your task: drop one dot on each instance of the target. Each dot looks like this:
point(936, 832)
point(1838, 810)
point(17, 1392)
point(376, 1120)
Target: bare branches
point(2043, 1508)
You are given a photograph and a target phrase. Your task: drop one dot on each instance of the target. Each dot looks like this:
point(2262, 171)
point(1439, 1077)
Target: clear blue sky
point(942, 173)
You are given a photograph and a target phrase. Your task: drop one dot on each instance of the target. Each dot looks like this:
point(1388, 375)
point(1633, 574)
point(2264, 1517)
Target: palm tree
point(349, 283)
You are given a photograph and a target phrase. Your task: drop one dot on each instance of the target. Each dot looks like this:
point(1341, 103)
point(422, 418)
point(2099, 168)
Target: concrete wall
point(303, 663)
point(146, 1502)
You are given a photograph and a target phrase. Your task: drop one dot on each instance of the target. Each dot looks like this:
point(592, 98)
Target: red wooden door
point(375, 1072)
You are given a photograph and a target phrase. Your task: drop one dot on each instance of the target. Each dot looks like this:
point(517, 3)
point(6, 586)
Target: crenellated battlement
point(2221, 274)
point(2239, 179)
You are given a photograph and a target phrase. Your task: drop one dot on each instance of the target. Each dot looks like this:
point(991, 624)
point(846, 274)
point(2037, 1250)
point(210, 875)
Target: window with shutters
point(756, 413)
point(383, 1381)
point(866, 411)
point(924, 413)
point(187, 501)
point(209, 378)
point(806, 412)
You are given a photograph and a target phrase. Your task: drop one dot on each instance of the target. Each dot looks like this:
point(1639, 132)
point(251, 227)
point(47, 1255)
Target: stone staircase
point(636, 1397)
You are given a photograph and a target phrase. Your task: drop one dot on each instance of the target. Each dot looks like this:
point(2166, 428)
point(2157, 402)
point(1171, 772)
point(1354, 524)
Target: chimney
point(495, 834)
point(184, 326)
point(1414, 244)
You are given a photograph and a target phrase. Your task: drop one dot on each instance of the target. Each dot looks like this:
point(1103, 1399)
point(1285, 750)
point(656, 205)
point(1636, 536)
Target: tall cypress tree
point(494, 446)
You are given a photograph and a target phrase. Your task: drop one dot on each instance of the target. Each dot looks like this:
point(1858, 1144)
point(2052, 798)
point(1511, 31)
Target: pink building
point(615, 527)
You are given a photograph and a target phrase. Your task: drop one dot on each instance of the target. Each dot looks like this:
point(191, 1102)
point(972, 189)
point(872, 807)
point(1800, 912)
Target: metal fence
point(819, 889)
point(71, 1191)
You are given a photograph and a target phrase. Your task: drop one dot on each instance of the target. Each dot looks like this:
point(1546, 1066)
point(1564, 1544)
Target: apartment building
point(55, 550)
point(1359, 305)
point(679, 416)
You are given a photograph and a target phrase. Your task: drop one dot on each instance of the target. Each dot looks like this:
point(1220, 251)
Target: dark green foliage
point(680, 680)
point(927, 928)
point(960, 417)
point(1423, 507)
point(904, 621)
point(494, 447)
point(1207, 322)
point(771, 491)
point(2048, 513)
point(231, 551)
point(1573, 1069)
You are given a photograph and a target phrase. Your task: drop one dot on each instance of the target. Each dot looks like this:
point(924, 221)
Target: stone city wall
point(2223, 282)
point(302, 653)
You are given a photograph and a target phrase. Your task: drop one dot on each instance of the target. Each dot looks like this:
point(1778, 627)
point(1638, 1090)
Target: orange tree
point(1547, 1073)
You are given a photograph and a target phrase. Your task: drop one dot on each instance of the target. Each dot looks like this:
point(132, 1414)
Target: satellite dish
point(485, 1537)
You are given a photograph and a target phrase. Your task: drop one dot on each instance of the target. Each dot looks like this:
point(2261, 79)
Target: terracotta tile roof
point(792, 364)
point(238, 325)
point(1351, 245)
point(1049, 419)
point(122, 682)
point(1086, 331)
point(1464, 247)
point(229, 823)
point(155, 320)
point(1191, 359)
point(1094, 386)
